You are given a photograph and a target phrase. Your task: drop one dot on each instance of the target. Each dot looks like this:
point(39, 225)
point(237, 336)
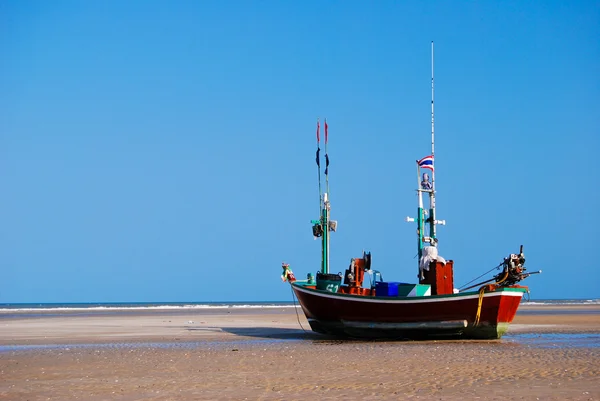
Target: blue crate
point(386, 289)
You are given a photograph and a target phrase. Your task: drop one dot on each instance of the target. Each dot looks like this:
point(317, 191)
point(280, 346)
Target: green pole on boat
point(321, 205)
point(321, 229)
point(326, 208)
point(420, 217)
point(325, 241)
point(324, 225)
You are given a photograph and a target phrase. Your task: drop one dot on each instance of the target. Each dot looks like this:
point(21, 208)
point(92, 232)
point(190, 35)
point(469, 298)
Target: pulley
point(317, 230)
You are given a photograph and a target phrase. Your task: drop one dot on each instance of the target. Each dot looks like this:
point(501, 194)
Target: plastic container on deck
point(386, 289)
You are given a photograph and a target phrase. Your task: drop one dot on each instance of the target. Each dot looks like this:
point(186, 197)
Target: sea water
point(33, 310)
point(30, 310)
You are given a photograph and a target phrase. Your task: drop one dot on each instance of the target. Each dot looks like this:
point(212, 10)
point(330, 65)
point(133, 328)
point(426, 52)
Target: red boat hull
point(443, 316)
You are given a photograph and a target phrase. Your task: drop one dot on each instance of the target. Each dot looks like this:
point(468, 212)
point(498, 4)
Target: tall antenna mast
point(432, 119)
point(425, 186)
point(432, 193)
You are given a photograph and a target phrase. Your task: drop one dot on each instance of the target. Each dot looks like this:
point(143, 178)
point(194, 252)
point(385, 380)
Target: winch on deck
point(513, 269)
point(355, 274)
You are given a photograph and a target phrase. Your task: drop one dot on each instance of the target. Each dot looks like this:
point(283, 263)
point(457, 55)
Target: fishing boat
point(348, 305)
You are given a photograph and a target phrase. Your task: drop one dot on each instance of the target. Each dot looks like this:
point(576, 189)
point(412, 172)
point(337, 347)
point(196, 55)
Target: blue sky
point(164, 151)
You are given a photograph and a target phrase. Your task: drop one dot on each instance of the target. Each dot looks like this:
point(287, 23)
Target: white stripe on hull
point(414, 300)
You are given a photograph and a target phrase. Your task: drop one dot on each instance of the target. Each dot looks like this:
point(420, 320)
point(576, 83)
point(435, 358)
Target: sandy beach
point(549, 353)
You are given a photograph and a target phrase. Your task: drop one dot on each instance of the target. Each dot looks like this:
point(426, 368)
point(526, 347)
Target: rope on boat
point(481, 294)
point(478, 315)
point(296, 309)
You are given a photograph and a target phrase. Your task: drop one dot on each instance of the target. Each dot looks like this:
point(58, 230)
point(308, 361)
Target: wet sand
point(549, 353)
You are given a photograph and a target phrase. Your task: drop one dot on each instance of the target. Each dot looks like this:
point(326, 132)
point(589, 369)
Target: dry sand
point(264, 354)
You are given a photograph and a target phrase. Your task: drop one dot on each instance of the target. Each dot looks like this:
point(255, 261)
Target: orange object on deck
point(355, 273)
point(356, 291)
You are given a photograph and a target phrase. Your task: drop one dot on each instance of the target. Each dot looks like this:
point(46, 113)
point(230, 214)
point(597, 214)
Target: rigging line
point(477, 278)
point(296, 309)
point(318, 159)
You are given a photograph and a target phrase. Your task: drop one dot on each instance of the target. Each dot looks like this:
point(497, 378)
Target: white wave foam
point(156, 307)
point(559, 303)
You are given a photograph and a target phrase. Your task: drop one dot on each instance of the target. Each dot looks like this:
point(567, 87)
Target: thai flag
point(426, 162)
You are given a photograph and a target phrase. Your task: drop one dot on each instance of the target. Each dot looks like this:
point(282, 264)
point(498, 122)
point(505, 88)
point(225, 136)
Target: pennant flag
point(318, 163)
point(326, 155)
point(426, 162)
point(318, 136)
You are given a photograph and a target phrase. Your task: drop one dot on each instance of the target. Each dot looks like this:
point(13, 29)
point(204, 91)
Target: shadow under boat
point(287, 334)
point(272, 333)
